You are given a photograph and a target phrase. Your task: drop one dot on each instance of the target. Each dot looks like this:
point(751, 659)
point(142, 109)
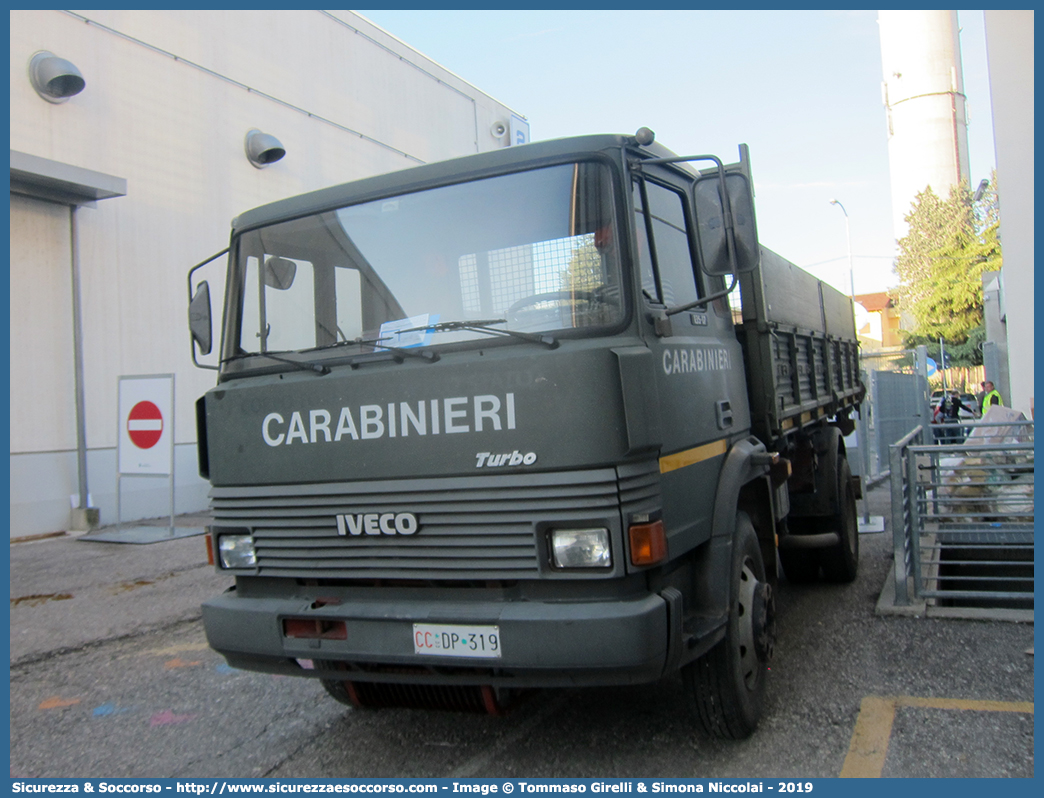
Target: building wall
point(169, 98)
point(1009, 47)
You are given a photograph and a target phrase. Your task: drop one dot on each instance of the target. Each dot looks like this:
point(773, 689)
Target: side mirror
point(280, 273)
point(199, 319)
point(710, 219)
point(199, 313)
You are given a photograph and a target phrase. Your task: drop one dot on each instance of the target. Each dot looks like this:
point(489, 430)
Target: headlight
point(581, 548)
point(237, 551)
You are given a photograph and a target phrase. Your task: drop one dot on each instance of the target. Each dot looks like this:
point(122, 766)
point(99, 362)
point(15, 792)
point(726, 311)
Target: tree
point(941, 260)
point(585, 270)
point(584, 277)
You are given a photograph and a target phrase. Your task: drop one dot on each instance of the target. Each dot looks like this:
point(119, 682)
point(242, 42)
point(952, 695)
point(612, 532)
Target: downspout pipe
point(84, 518)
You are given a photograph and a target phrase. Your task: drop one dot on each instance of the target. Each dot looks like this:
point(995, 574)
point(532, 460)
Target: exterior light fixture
point(262, 148)
point(498, 130)
point(55, 79)
point(848, 237)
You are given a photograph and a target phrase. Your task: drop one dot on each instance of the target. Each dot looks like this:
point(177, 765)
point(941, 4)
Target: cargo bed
point(802, 352)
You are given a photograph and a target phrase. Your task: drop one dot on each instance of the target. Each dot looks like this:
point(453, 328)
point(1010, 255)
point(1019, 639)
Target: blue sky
point(801, 88)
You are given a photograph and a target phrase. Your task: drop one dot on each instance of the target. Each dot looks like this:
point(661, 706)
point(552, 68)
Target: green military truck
point(538, 417)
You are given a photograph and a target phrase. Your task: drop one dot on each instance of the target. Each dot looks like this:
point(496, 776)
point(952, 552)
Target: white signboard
point(519, 131)
point(146, 425)
point(406, 333)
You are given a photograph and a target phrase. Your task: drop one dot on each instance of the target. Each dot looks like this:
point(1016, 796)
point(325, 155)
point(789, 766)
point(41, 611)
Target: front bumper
point(551, 643)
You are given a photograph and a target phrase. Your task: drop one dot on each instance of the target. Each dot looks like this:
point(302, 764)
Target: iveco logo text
point(482, 413)
point(377, 524)
point(515, 458)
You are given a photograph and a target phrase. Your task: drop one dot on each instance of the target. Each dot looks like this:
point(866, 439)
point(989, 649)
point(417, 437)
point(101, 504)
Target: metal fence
point(897, 400)
point(962, 515)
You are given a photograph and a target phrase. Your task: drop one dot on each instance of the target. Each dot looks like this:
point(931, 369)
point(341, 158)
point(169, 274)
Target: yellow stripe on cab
point(673, 462)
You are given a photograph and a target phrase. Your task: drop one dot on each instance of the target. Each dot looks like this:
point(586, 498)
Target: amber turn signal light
point(648, 543)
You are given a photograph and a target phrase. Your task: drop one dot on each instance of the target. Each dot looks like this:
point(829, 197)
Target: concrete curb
point(920, 608)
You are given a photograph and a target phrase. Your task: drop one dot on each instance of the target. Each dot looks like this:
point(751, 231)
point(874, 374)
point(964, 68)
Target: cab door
point(698, 361)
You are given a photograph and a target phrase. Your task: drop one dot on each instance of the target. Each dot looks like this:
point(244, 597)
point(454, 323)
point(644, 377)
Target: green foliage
point(585, 268)
point(949, 245)
point(966, 353)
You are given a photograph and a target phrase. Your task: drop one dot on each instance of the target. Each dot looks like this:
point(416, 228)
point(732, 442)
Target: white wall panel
point(345, 99)
point(43, 408)
point(1010, 41)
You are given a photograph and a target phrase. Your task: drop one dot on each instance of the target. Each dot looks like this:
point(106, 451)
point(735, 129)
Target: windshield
point(531, 252)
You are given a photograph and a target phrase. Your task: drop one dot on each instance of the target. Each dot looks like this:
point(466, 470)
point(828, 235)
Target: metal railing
point(962, 515)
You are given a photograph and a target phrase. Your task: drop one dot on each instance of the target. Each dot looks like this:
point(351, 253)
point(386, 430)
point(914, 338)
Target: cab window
point(665, 259)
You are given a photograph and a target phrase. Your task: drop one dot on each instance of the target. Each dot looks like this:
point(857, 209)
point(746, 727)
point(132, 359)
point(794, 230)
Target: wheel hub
point(757, 610)
point(764, 621)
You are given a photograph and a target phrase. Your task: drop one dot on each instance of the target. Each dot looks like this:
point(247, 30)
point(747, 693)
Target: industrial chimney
point(925, 106)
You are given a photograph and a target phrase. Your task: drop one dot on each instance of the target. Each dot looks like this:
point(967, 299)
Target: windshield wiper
point(318, 368)
point(398, 352)
point(377, 345)
point(486, 326)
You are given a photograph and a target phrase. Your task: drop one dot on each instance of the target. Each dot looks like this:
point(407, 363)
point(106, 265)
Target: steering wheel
point(553, 296)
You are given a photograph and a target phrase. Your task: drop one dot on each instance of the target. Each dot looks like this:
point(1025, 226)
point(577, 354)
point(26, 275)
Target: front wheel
point(339, 692)
point(728, 683)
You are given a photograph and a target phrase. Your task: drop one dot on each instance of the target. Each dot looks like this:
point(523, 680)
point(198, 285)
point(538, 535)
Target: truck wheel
point(728, 683)
point(841, 563)
point(338, 690)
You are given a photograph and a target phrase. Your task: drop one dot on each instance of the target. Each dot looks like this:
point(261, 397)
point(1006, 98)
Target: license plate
point(444, 640)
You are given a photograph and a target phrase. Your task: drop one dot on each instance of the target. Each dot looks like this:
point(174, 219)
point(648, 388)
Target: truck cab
point(485, 425)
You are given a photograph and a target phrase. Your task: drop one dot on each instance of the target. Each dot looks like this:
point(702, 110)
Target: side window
point(649, 287)
point(279, 315)
point(667, 256)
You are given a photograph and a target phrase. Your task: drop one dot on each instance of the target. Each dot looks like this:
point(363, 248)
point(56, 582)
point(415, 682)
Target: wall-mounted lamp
point(263, 148)
point(498, 129)
point(54, 78)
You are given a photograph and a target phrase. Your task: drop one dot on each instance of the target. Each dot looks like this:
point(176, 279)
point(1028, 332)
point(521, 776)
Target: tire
point(841, 563)
point(338, 690)
point(727, 684)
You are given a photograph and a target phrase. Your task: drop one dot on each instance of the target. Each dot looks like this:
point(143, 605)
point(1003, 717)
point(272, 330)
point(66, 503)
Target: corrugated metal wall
point(170, 96)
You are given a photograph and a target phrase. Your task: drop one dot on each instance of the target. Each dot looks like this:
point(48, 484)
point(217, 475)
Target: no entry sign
point(146, 424)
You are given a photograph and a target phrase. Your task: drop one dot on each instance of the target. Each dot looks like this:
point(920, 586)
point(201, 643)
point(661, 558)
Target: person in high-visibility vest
point(991, 398)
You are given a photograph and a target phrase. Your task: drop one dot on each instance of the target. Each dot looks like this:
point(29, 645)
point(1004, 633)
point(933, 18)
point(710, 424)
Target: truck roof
point(434, 174)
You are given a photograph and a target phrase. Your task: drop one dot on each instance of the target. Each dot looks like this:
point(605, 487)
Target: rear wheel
point(841, 562)
point(728, 683)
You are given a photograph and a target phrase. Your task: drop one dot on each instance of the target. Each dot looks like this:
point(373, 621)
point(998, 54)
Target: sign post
point(144, 448)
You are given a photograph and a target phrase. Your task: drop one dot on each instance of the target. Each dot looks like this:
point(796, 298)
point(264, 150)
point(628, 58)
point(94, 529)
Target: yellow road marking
point(962, 703)
point(869, 745)
point(873, 727)
point(673, 462)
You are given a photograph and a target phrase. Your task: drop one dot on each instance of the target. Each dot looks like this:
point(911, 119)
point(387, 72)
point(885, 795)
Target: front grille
point(479, 527)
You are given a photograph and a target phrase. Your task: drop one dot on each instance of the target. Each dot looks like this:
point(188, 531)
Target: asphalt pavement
point(70, 592)
point(852, 671)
